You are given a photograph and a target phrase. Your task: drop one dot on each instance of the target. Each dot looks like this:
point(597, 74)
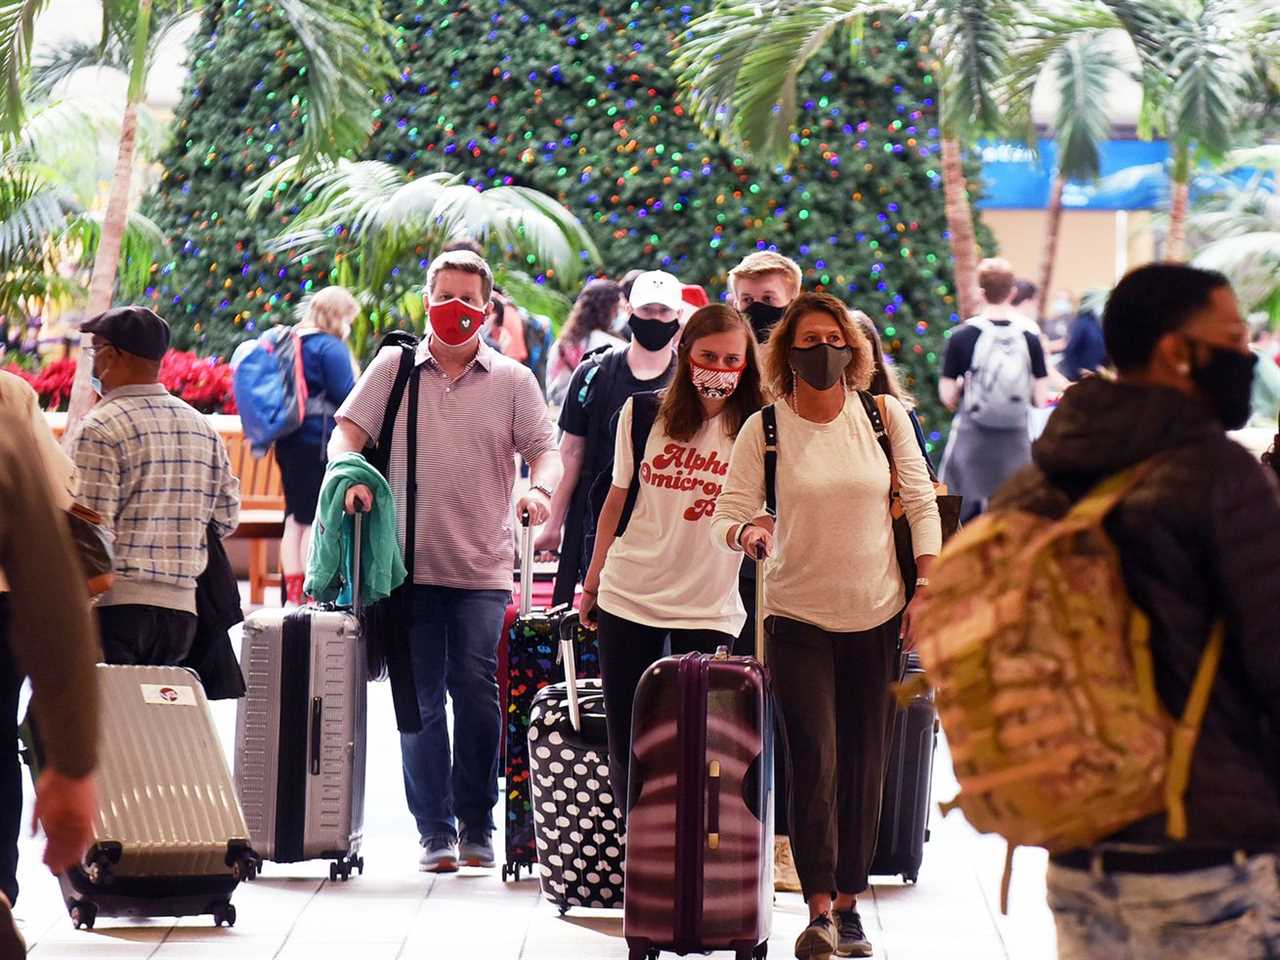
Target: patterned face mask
point(715, 383)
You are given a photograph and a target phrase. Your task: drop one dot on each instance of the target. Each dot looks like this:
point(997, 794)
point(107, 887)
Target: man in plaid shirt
point(159, 475)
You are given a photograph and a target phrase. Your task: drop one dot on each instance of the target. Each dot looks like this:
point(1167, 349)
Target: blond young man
point(761, 286)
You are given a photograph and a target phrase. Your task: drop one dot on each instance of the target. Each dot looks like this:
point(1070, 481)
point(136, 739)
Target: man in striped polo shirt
point(477, 410)
point(158, 473)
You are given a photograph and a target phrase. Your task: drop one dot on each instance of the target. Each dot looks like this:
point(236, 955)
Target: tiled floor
point(394, 912)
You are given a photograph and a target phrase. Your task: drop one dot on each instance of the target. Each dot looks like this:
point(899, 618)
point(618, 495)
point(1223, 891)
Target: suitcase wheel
point(563, 907)
point(224, 913)
point(83, 914)
point(760, 952)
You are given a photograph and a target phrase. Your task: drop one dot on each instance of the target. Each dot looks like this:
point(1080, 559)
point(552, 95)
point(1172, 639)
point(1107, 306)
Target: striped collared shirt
point(469, 431)
point(159, 474)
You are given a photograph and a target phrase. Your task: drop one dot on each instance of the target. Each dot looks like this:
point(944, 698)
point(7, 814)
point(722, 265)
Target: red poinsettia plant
point(203, 382)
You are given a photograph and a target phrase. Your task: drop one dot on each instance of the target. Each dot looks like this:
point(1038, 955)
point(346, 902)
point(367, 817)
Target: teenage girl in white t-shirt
point(664, 577)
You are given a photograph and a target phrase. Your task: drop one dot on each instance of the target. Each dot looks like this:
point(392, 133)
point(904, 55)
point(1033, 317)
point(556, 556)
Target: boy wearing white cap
point(599, 388)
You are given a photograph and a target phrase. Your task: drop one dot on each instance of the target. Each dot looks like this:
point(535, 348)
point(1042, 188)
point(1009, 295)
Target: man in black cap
point(158, 473)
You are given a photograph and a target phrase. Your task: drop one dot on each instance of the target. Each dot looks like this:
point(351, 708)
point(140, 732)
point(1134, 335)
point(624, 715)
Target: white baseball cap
point(657, 287)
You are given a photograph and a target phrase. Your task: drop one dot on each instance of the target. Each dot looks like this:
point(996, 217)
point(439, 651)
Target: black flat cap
point(136, 330)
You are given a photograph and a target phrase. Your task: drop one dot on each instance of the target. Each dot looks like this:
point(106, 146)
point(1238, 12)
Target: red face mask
point(715, 383)
point(455, 321)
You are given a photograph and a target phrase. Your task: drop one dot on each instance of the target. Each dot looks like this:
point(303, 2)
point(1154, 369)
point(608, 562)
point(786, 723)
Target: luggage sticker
point(166, 695)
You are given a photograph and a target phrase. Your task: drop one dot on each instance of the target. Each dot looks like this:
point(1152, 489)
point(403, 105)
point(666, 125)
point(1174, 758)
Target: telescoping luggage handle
point(526, 564)
point(568, 626)
point(357, 530)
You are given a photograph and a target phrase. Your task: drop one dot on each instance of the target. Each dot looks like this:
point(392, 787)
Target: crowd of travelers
point(771, 418)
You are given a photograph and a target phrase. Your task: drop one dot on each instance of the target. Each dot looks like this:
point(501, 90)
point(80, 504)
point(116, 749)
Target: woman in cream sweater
point(835, 602)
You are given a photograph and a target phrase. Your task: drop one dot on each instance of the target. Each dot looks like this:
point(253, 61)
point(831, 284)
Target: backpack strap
point(644, 414)
point(1094, 506)
point(769, 421)
point(594, 361)
point(1182, 744)
point(380, 456)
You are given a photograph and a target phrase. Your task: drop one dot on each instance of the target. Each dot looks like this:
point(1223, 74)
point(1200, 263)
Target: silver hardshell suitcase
point(169, 836)
point(300, 733)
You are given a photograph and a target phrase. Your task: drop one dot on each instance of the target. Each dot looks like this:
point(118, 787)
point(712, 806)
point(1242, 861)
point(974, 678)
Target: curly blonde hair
point(780, 379)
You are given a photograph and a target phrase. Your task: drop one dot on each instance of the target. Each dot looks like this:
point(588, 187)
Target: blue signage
point(1133, 177)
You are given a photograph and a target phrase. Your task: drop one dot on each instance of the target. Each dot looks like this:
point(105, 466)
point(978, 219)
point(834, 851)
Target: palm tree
point(1236, 230)
point(346, 59)
point(1202, 64)
point(381, 227)
point(738, 73)
point(49, 229)
point(1083, 69)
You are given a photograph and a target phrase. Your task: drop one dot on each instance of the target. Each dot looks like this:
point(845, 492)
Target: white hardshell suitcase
point(300, 733)
point(169, 838)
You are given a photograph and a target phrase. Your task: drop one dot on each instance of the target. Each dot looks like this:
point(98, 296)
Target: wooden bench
point(261, 499)
point(261, 505)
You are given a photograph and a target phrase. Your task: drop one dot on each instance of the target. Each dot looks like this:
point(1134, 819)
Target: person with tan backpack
point(1105, 643)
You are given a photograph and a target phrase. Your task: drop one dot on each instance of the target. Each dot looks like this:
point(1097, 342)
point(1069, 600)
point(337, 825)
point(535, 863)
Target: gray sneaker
point(818, 940)
point(852, 941)
point(477, 849)
point(439, 855)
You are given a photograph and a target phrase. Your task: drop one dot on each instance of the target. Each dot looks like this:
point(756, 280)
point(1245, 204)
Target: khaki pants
point(1222, 913)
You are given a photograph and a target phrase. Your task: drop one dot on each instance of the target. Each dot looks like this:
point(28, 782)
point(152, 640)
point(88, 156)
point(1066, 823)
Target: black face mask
point(764, 317)
point(1226, 382)
point(822, 365)
point(653, 334)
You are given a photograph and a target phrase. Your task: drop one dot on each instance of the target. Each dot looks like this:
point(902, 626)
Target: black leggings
point(627, 650)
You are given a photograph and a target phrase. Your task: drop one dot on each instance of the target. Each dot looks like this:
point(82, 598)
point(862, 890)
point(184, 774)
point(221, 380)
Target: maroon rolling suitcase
point(700, 825)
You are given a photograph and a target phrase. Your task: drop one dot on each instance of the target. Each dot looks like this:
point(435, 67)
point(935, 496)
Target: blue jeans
point(1229, 912)
point(454, 650)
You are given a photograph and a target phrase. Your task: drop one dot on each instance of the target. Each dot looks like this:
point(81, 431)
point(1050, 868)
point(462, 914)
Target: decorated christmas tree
point(241, 112)
point(578, 99)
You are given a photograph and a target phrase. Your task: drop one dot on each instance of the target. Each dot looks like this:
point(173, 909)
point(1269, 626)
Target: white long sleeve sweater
point(834, 564)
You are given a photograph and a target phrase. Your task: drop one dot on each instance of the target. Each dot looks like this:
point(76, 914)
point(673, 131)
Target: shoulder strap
point(593, 361)
point(644, 413)
point(382, 455)
point(1187, 732)
point(769, 421)
point(411, 481)
point(875, 407)
point(1094, 506)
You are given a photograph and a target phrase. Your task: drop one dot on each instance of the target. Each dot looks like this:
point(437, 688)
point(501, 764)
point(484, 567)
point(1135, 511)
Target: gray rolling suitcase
point(300, 733)
point(169, 836)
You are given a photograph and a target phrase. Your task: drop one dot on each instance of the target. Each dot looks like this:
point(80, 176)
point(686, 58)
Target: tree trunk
point(964, 242)
point(1175, 247)
point(1052, 227)
point(102, 283)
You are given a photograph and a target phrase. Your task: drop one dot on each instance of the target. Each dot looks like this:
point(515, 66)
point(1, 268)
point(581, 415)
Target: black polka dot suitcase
point(576, 823)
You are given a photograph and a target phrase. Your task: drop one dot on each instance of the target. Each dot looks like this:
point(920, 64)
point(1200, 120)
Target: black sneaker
point(852, 941)
point(818, 940)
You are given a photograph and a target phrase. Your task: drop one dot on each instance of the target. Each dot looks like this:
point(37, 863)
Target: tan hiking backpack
point(1045, 684)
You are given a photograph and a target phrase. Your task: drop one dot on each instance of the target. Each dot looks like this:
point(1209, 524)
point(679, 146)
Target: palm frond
point(1085, 70)
point(375, 213)
point(1210, 81)
point(17, 28)
point(348, 58)
point(59, 63)
point(973, 40)
point(1266, 157)
point(33, 213)
point(738, 66)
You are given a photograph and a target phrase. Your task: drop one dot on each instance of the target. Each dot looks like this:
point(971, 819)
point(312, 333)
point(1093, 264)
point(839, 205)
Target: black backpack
point(644, 413)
